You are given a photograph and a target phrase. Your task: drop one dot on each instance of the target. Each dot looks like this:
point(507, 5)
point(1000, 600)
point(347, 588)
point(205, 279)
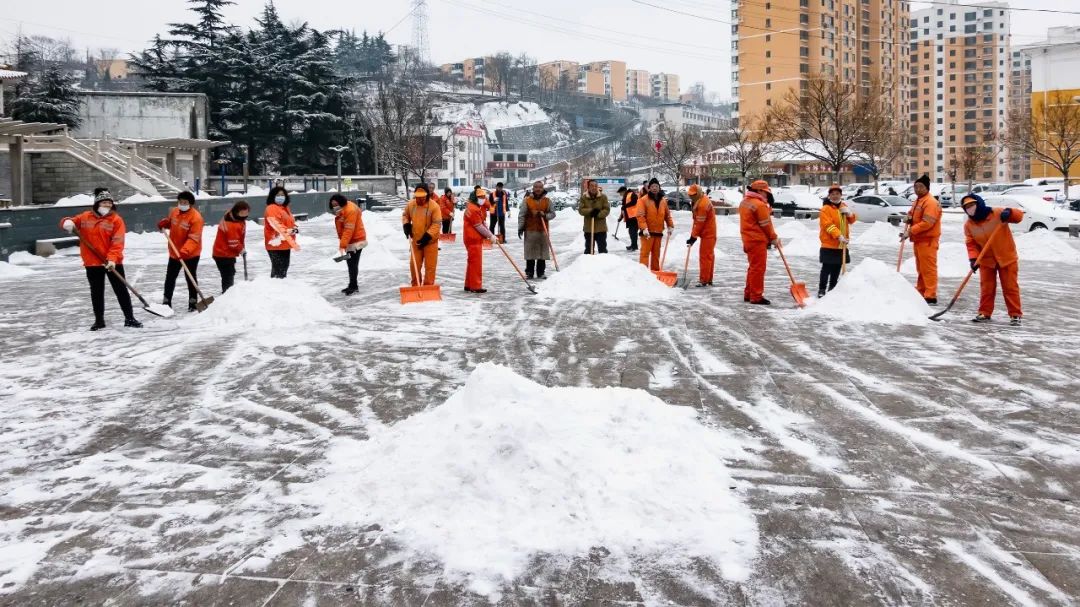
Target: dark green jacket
point(587, 205)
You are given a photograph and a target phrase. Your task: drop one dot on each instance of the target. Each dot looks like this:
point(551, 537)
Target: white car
point(1039, 214)
point(1049, 193)
point(879, 208)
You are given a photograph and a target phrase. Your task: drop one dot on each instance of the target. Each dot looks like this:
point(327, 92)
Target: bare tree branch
point(1051, 133)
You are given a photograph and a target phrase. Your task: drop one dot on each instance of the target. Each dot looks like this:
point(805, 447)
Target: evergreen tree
point(52, 97)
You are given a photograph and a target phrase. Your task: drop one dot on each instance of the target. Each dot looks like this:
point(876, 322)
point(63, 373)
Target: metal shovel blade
point(160, 310)
point(203, 304)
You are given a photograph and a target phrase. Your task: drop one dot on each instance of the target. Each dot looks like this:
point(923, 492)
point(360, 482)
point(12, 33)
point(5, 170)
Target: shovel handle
point(184, 265)
point(115, 273)
point(900, 256)
point(780, 250)
point(547, 235)
point(686, 267)
point(970, 273)
point(663, 256)
point(513, 263)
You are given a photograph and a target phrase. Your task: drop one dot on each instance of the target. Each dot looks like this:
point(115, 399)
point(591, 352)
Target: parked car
point(678, 200)
point(1049, 193)
point(1039, 214)
point(989, 189)
point(1044, 181)
point(788, 201)
point(879, 208)
point(936, 190)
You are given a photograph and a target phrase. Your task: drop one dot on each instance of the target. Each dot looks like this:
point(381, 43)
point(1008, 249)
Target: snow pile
point(952, 260)
point(793, 229)
point(881, 233)
point(504, 115)
point(727, 226)
point(78, 200)
point(607, 278)
point(267, 304)
point(507, 469)
point(1044, 245)
point(8, 270)
point(875, 293)
point(22, 258)
point(142, 198)
point(803, 246)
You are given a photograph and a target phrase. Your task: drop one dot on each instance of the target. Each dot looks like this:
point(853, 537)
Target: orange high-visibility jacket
point(537, 210)
point(704, 219)
point(446, 206)
point(652, 216)
point(833, 225)
point(284, 218)
point(474, 228)
point(425, 217)
point(350, 225)
point(630, 202)
point(755, 219)
point(185, 232)
point(925, 219)
point(1002, 251)
point(229, 240)
point(104, 234)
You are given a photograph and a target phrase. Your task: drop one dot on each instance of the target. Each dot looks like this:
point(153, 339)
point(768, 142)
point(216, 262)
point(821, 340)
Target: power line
point(1000, 8)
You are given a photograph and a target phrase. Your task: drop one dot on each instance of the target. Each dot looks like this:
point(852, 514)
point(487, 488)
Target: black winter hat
point(925, 180)
point(654, 180)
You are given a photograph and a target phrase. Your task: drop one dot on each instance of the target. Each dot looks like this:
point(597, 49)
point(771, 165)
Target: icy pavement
point(248, 456)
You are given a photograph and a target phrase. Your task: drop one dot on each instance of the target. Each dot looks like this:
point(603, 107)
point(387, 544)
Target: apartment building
point(664, 86)
point(612, 78)
point(638, 84)
point(562, 75)
point(677, 116)
point(777, 45)
point(469, 71)
point(960, 75)
point(1055, 79)
point(1019, 104)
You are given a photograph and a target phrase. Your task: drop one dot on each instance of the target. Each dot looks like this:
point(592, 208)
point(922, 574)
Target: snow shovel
point(547, 235)
point(971, 273)
point(244, 255)
point(156, 309)
point(617, 224)
point(668, 278)
point(520, 273)
point(283, 233)
point(592, 236)
point(203, 302)
point(798, 289)
point(419, 293)
point(843, 246)
point(686, 268)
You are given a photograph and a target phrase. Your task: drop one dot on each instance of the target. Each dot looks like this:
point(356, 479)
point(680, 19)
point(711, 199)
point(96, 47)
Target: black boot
point(761, 302)
point(98, 325)
point(351, 289)
point(166, 302)
point(133, 323)
point(191, 305)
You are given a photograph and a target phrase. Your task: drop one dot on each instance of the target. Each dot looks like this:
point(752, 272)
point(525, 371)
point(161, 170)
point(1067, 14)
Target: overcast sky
point(646, 37)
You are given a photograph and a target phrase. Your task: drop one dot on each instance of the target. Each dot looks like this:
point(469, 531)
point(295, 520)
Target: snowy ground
point(292, 445)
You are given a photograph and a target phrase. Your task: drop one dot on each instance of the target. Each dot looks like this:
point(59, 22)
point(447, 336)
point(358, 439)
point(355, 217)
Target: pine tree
point(52, 97)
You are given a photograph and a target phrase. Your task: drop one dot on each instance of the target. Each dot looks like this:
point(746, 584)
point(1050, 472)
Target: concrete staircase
point(115, 160)
point(388, 200)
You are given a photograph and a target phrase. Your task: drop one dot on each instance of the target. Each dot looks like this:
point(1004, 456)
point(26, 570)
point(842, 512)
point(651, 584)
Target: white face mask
point(103, 210)
point(970, 210)
point(183, 207)
point(279, 199)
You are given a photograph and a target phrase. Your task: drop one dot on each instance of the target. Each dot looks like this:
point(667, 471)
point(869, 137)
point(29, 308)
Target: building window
point(497, 157)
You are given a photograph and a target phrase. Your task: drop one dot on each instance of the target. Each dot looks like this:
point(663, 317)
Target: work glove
point(847, 211)
point(595, 213)
point(690, 242)
point(670, 231)
point(69, 225)
point(843, 240)
point(905, 235)
point(164, 223)
point(294, 231)
point(110, 266)
point(973, 263)
point(521, 233)
point(407, 228)
point(1006, 214)
point(424, 240)
point(775, 242)
point(643, 234)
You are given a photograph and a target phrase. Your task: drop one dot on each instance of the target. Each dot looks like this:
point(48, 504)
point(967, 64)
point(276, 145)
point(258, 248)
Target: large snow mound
point(880, 233)
point(606, 278)
point(803, 246)
point(1044, 245)
point(872, 292)
point(505, 115)
point(507, 469)
point(267, 304)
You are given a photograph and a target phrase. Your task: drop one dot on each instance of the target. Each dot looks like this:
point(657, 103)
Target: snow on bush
point(880, 233)
point(607, 278)
point(267, 304)
point(507, 469)
point(873, 292)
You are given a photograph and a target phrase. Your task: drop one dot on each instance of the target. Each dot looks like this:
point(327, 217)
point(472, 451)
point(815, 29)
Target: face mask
point(970, 210)
point(279, 199)
point(242, 217)
point(104, 210)
point(183, 207)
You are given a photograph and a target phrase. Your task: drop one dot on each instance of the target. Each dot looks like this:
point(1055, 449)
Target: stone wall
point(56, 175)
point(142, 115)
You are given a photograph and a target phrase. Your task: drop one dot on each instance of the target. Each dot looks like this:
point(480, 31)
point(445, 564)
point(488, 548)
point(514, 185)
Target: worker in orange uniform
point(101, 246)
point(924, 231)
point(834, 233)
point(704, 228)
point(756, 228)
point(229, 242)
point(352, 237)
point(420, 221)
point(475, 233)
point(277, 209)
point(1000, 261)
point(185, 226)
point(628, 213)
point(446, 207)
point(652, 214)
point(500, 203)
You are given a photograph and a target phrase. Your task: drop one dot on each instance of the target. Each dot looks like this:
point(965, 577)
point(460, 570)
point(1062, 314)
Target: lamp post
point(338, 149)
point(222, 162)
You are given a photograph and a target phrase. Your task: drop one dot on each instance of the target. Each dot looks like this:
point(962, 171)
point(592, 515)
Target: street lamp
point(338, 149)
point(222, 162)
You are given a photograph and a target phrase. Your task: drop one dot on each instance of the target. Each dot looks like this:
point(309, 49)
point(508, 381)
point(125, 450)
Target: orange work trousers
point(706, 259)
point(926, 266)
point(474, 266)
point(756, 253)
point(425, 258)
point(650, 252)
point(1010, 288)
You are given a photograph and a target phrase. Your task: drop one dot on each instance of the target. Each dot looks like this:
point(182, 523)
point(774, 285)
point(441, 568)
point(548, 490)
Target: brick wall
point(56, 175)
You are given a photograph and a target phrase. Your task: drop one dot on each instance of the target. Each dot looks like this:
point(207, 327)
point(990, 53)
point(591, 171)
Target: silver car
point(879, 208)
